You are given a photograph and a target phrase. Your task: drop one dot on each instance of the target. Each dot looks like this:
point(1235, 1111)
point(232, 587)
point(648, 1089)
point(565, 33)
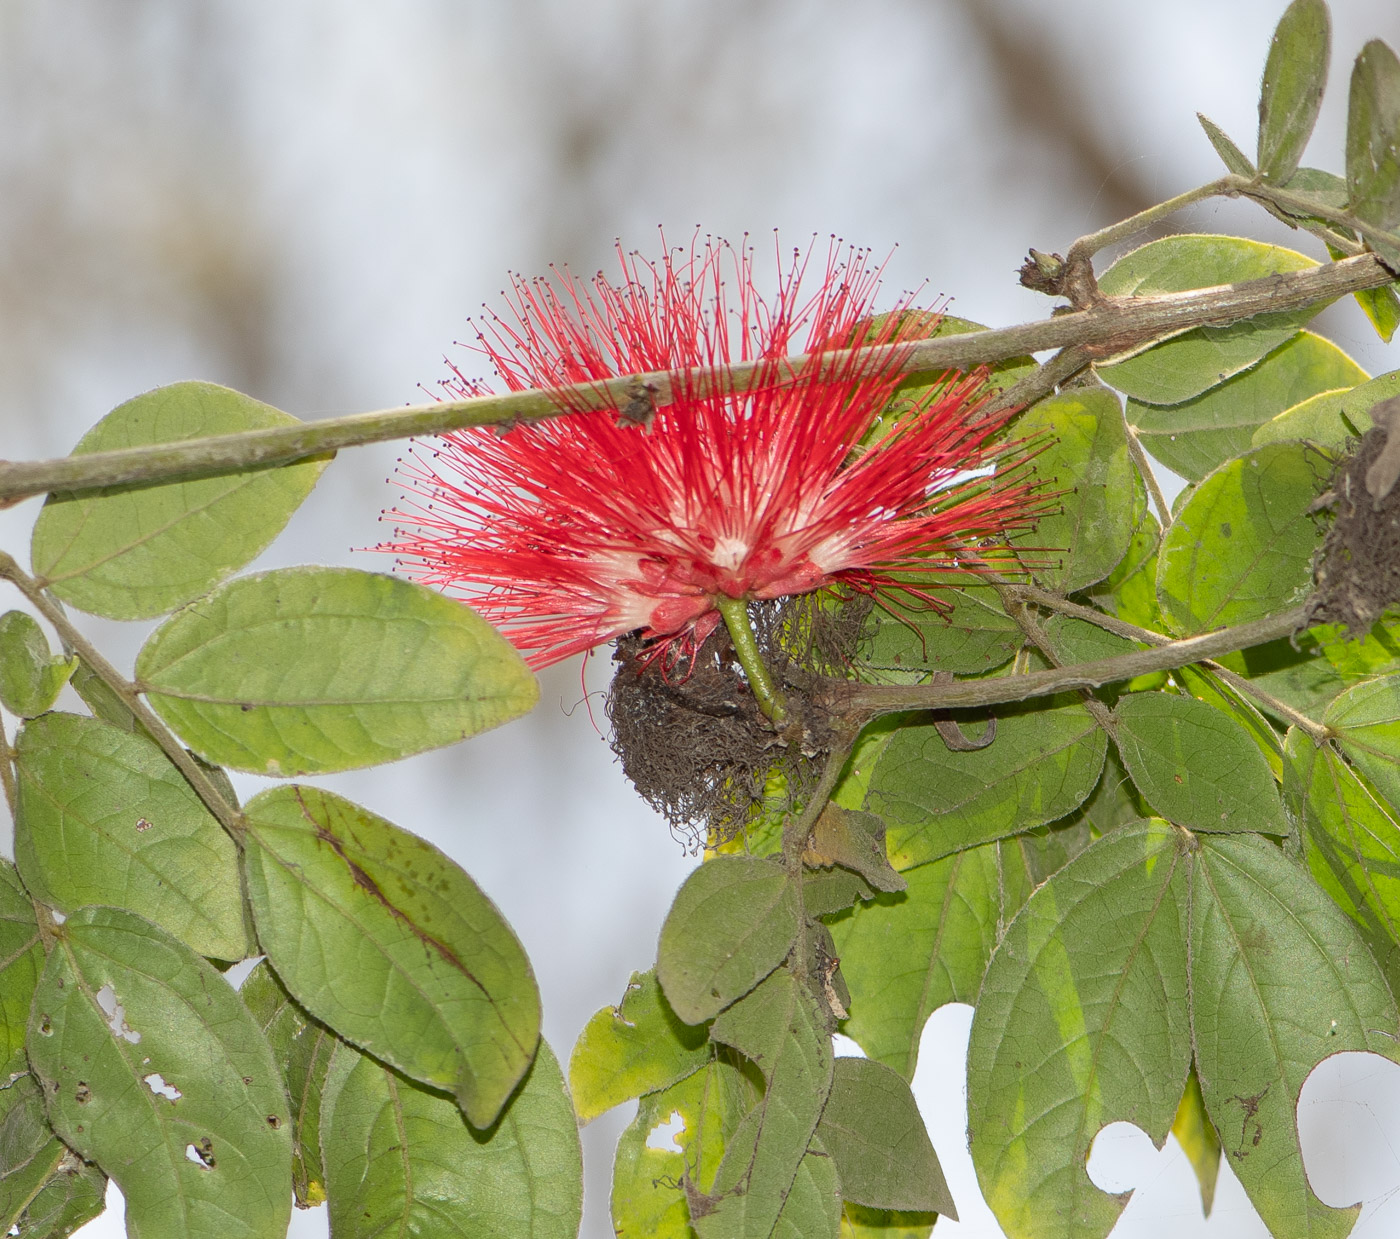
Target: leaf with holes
point(104, 818)
point(1043, 764)
point(679, 1134)
point(1280, 979)
point(387, 941)
point(1202, 433)
point(1242, 546)
point(153, 1069)
point(401, 1160)
point(308, 670)
point(904, 956)
point(134, 551)
point(302, 1047)
point(1088, 465)
point(636, 1047)
point(1196, 766)
point(1082, 1021)
point(1188, 364)
point(732, 922)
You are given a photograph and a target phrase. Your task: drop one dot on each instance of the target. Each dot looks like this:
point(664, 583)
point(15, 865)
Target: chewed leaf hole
point(116, 1015)
point(160, 1088)
point(201, 1153)
point(662, 1137)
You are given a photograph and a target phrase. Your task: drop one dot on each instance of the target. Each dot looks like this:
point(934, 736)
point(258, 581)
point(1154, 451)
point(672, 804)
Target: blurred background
point(305, 201)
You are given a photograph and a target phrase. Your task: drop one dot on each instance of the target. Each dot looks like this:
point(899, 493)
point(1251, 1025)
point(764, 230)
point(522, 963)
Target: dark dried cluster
point(693, 740)
point(1358, 570)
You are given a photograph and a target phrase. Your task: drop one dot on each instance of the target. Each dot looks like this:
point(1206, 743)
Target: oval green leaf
point(30, 676)
point(1373, 136)
point(400, 1160)
point(1186, 365)
point(153, 1069)
point(1200, 434)
point(1295, 75)
point(302, 1047)
point(133, 552)
point(1196, 766)
point(308, 670)
point(872, 1130)
point(1280, 980)
point(1082, 1021)
point(1242, 546)
point(1087, 462)
point(387, 941)
point(636, 1047)
point(1332, 418)
point(1366, 721)
point(1043, 764)
point(104, 818)
point(733, 921)
point(974, 634)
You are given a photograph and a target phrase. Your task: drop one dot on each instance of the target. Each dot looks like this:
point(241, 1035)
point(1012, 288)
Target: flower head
point(571, 531)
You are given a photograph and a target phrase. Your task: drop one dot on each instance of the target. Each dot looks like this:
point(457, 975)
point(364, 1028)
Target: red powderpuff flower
point(571, 531)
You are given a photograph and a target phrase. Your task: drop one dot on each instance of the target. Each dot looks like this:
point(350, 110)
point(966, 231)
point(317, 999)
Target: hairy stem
point(1108, 327)
point(1134, 224)
point(227, 816)
point(768, 695)
point(1159, 500)
point(867, 701)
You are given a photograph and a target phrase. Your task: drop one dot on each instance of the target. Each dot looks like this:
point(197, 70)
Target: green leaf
point(152, 1068)
point(30, 677)
point(1295, 75)
point(309, 670)
point(733, 921)
point(1242, 546)
point(904, 956)
point(400, 1160)
point(973, 636)
point(1081, 1022)
point(104, 818)
point(1130, 590)
point(1087, 461)
point(872, 1129)
point(678, 1136)
point(636, 1047)
point(858, 1222)
point(1366, 722)
point(137, 551)
point(1196, 766)
point(1233, 158)
point(778, 1028)
point(21, 960)
point(1382, 307)
point(1186, 365)
point(1198, 1140)
point(1351, 840)
point(1200, 434)
point(45, 1189)
point(1373, 143)
point(302, 1047)
point(1043, 764)
point(813, 1205)
point(1330, 419)
point(1208, 687)
point(387, 941)
point(1377, 653)
point(855, 841)
point(1279, 981)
